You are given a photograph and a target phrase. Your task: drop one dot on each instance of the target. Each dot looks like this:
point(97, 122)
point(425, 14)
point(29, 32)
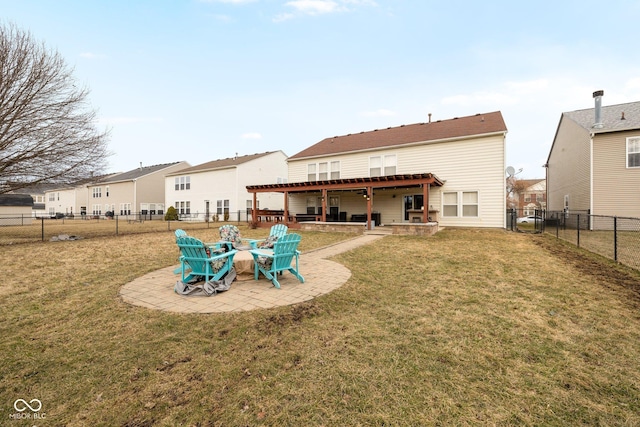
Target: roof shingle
point(459, 127)
point(611, 117)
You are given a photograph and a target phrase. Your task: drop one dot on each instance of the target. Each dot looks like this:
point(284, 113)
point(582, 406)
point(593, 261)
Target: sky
point(200, 80)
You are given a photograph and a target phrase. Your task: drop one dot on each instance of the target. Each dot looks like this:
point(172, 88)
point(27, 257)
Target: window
point(183, 208)
point(633, 152)
point(52, 197)
point(222, 207)
point(182, 183)
point(97, 210)
point(449, 204)
point(470, 203)
point(323, 173)
point(97, 192)
point(311, 172)
point(125, 208)
point(390, 164)
point(382, 165)
point(460, 203)
point(106, 191)
point(335, 170)
point(375, 166)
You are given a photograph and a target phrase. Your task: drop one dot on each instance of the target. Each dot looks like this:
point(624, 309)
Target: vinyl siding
point(230, 184)
point(615, 187)
point(475, 164)
point(568, 171)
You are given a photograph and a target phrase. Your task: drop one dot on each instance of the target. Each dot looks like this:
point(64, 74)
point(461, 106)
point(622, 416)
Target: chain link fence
point(16, 229)
point(617, 238)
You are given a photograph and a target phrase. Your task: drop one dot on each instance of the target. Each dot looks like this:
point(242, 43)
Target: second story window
point(633, 152)
point(182, 183)
point(382, 165)
point(323, 171)
point(97, 192)
point(311, 172)
point(106, 191)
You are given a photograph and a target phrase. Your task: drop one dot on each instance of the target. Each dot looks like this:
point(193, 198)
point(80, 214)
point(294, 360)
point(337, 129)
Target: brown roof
point(222, 163)
point(458, 127)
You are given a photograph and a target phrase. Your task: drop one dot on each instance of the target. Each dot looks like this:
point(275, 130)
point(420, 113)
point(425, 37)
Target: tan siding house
point(594, 162)
point(460, 161)
point(136, 192)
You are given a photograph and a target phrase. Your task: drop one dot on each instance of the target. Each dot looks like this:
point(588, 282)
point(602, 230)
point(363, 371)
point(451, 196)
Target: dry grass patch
point(468, 327)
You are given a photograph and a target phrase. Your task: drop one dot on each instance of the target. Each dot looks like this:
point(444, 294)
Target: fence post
point(578, 228)
point(116, 218)
point(42, 229)
point(615, 238)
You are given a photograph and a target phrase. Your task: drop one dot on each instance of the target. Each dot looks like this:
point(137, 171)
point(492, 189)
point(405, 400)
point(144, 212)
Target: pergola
point(368, 184)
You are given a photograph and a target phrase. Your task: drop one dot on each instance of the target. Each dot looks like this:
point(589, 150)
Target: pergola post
point(425, 204)
point(369, 203)
point(324, 205)
point(286, 208)
point(254, 217)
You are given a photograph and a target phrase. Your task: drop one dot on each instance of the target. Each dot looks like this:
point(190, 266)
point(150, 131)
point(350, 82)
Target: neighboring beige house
point(136, 192)
point(69, 200)
point(449, 171)
point(594, 162)
point(219, 186)
point(15, 209)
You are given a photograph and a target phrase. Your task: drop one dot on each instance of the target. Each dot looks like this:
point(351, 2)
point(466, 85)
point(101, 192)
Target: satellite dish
point(510, 170)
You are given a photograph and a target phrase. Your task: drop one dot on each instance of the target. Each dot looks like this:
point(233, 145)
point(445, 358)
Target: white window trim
point(313, 170)
point(385, 162)
point(634, 152)
point(460, 204)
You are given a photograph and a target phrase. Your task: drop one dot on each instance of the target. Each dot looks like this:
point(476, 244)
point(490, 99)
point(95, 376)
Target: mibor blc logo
point(27, 410)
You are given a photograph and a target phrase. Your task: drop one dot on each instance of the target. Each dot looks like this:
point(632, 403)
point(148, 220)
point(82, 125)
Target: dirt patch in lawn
point(607, 273)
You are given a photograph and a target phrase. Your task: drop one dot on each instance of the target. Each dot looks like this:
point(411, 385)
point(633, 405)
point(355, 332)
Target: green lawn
point(467, 327)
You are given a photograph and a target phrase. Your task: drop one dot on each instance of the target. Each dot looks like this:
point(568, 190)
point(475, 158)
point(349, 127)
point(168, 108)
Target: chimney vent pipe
point(598, 109)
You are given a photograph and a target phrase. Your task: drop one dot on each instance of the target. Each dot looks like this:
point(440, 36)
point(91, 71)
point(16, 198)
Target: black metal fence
point(525, 221)
point(617, 238)
point(15, 229)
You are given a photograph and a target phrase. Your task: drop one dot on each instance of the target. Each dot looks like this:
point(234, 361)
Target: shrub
point(171, 215)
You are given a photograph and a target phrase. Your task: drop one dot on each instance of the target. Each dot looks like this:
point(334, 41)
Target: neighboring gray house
point(594, 162)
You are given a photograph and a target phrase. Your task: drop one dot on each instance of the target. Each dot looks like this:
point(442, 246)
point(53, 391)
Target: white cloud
point(315, 7)
point(90, 55)
point(378, 113)
point(320, 7)
point(251, 135)
point(227, 1)
point(283, 17)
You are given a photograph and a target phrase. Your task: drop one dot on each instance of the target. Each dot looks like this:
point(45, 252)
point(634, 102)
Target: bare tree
point(48, 130)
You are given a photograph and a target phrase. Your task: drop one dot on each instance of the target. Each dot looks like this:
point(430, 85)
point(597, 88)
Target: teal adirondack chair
point(179, 233)
point(270, 264)
point(275, 233)
point(199, 260)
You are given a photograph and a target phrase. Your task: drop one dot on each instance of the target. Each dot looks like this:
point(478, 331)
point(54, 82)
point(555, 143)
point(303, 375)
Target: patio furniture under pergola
point(367, 185)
